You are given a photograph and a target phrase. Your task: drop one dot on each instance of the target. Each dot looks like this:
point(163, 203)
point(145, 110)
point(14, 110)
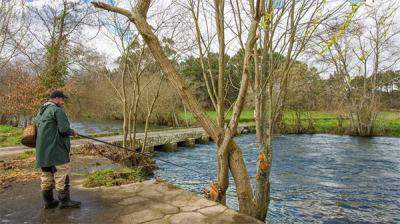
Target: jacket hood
point(44, 106)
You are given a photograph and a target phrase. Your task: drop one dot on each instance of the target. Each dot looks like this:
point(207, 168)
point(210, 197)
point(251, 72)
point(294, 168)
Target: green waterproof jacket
point(52, 141)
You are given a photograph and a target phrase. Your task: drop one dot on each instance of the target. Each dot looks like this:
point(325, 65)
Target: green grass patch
point(109, 177)
point(387, 123)
point(246, 116)
point(25, 155)
point(10, 136)
point(4, 129)
point(317, 115)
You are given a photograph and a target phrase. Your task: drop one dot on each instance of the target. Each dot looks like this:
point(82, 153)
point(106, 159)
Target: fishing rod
point(144, 154)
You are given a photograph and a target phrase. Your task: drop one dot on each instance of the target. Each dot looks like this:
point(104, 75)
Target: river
point(315, 178)
point(89, 126)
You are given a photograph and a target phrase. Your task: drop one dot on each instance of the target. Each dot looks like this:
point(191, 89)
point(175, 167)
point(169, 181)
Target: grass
point(9, 135)
point(25, 155)
point(387, 123)
point(109, 177)
point(246, 116)
point(322, 122)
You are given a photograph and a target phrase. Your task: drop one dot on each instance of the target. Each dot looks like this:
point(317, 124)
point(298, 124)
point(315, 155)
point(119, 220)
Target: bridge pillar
point(245, 130)
point(190, 142)
point(149, 149)
point(203, 139)
point(169, 147)
point(239, 131)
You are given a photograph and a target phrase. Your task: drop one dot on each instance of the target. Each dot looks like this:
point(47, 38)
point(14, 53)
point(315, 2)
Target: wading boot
point(48, 199)
point(66, 201)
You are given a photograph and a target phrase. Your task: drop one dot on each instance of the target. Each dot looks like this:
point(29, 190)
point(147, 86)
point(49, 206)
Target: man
point(52, 151)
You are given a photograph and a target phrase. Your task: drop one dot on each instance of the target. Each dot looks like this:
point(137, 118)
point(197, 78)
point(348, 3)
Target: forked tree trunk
point(231, 153)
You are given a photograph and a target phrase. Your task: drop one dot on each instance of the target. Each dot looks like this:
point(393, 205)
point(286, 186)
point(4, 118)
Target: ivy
point(355, 6)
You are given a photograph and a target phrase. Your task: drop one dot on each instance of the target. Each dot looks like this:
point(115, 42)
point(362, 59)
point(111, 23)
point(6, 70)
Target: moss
point(99, 178)
point(109, 177)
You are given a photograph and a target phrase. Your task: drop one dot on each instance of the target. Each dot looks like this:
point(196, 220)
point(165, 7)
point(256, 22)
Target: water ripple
point(315, 178)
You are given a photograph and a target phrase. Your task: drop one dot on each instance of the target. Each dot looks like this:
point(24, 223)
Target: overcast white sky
point(108, 48)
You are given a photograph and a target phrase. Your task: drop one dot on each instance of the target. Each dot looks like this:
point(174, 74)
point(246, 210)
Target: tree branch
point(102, 5)
point(142, 7)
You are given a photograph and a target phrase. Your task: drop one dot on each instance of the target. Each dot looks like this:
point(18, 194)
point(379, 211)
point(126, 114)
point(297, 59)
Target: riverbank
point(149, 201)
point(313, 122)
point(316, 122)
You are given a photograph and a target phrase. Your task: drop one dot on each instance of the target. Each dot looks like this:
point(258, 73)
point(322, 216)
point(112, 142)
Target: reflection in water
point(315, 178)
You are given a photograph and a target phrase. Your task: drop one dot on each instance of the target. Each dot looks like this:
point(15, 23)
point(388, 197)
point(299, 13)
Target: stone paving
point(156, 202)
point(150, 202)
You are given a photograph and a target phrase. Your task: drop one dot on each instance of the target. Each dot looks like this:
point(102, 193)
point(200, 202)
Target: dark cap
point(57, 93)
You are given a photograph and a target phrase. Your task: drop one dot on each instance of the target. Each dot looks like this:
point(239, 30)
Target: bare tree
point(119, 31)
point(364, 52)
point(127, 80)
point(12, 30)
point(287, 29)
point(229, 153)
point(150, 109)
point(204, 50)
point(121, 35)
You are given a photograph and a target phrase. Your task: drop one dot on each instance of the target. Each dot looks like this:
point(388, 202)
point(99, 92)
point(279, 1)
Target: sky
point(102, 43)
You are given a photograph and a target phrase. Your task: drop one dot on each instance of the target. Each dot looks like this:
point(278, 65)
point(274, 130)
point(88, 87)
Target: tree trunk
point(262, 192)
point(124, 125)
point(219, 11)
point(150, 110)
point(230, 148)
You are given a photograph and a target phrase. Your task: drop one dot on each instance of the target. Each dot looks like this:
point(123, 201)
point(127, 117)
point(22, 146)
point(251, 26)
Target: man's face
point(59, 101)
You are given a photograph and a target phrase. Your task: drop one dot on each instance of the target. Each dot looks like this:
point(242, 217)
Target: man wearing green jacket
point(52, 151)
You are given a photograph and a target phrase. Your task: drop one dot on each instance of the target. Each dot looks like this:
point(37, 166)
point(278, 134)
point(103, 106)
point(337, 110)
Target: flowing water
point(315, 178)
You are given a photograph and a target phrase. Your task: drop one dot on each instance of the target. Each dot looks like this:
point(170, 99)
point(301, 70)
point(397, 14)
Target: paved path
point(158, 202)
point(150, 202)
point(161, 136)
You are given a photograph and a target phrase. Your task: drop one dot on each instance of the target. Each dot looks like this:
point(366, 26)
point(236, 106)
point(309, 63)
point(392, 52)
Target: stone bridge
point(163, 140)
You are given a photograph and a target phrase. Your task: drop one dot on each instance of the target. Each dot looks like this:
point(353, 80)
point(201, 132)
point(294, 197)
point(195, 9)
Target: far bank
point(311, 122)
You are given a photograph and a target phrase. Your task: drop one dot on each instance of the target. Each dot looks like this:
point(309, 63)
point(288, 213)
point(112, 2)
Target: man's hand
point(74, 133)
